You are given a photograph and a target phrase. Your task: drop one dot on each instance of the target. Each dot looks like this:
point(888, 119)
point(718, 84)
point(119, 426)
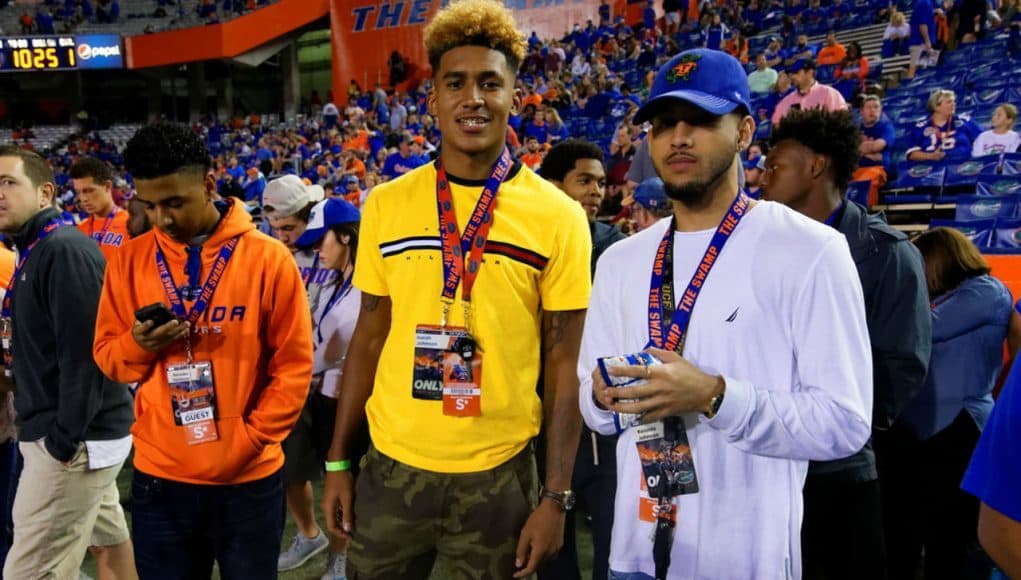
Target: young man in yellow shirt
point(445, 358)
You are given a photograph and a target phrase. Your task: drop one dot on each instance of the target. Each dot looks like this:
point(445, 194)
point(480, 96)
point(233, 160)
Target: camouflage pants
point(406, 518)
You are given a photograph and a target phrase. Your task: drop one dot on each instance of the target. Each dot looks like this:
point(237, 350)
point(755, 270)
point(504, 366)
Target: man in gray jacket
point(73, 422)
point(812, 157)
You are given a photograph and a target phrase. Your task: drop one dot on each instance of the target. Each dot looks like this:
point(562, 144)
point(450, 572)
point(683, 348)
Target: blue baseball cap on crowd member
point(709, 79)
point(651, 195)
point(348, 179)
point(326, 214)
point(801, 64)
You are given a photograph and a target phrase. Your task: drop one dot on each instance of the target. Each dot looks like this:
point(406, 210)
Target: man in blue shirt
point(774, 54)
point(801, 51)
point(397, 164)
point(877, 139)
point(923, 31)
point(994, 477)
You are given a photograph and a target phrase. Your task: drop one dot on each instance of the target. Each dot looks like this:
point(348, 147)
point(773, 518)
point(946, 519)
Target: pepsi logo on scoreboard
point(61, 52)
point(99, 51)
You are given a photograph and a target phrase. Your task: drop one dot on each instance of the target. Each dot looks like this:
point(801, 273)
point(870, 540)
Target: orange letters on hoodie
point(256, 332)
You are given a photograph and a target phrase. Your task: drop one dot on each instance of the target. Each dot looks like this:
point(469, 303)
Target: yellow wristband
point(342, 465)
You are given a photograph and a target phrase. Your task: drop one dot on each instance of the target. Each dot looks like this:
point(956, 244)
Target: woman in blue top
point(971, 311)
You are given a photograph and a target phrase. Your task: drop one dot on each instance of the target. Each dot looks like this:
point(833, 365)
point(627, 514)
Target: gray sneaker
point(336, 567)
point(301, 550)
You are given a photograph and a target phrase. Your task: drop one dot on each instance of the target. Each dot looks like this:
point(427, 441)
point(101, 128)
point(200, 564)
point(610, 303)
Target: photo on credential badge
point(666, 458)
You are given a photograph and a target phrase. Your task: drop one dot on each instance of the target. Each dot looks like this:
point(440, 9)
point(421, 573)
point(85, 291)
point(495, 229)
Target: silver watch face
point(568, 497)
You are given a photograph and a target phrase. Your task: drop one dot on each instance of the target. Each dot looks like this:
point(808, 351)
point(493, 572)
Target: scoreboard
point(60, 52)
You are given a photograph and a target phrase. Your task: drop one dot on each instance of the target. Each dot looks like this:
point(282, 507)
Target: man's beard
point(698, 194)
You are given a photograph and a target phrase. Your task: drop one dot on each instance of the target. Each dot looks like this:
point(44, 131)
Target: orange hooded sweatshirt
point(110, 238)
point(256, 332)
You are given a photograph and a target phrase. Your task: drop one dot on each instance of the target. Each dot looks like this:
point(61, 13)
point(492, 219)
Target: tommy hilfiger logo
point(733, 315)
point(684, 67)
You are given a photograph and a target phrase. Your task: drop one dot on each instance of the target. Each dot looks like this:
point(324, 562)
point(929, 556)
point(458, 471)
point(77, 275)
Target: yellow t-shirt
point(537, 258)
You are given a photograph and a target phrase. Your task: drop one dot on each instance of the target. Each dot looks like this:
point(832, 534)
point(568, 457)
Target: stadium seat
point(972, 208)
point(991, 185)
point(962, 176)
point(919, 178)
point(1007, 235)
point(1010, 163)
point(858, 192)
point(979, 232)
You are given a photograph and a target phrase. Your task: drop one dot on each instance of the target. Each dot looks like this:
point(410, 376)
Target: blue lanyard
point(48, 229)
point(339, 293)
point(106, 226)
point(661, 301)
point(832, 220)
point(313, 271)
point(202, 302)
point(473, 241)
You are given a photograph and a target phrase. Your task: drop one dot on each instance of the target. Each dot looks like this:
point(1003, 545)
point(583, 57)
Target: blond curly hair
point(474, 23)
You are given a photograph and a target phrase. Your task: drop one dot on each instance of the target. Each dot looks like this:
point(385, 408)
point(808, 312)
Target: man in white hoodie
point(773, 370)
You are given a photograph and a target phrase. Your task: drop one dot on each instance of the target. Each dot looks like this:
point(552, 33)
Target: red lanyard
point(473, 241)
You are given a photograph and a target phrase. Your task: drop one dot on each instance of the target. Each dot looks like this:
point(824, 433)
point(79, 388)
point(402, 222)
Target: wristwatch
point(565, 499)
point(716, 402)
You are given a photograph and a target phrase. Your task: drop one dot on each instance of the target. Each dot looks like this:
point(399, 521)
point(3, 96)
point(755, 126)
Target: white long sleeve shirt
point(781, 317)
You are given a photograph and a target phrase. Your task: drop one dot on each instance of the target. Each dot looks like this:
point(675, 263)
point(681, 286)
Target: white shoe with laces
point(336, 567)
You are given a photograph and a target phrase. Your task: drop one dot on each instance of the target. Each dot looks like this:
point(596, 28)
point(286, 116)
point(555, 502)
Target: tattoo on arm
point(370, 303)
point(553, 332)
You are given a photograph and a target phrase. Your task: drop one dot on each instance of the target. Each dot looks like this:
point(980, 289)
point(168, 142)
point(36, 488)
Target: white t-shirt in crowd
point(336, 328)
point(991, 143)
point(782, 318)
point(902, 31)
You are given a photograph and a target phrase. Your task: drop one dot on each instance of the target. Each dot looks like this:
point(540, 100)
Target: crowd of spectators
point(588, 84)
point(64, 16)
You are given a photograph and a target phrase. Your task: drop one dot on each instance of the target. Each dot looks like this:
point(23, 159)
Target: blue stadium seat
point(989, 96)
point(979, 232)
point(858, 192)
point(920, 178)
point(957, 58)
point(998, 185)
point(967, 173)
point(972, 208)
point(1007, 235)
point(1010, 163)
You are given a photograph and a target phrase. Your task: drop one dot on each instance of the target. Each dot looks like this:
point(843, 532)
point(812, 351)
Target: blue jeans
point(629, 576)
point(181, 528)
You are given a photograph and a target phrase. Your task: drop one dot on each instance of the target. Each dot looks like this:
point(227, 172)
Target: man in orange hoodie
point(107, 223)
point(221, 384)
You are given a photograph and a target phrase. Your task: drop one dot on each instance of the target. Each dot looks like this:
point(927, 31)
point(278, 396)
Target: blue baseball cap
point(348, 179)
point(709, 79)
point(326, 214)
point(650, 194)
point(801, 63)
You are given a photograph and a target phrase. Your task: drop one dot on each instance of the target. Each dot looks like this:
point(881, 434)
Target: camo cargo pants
point(406, 517)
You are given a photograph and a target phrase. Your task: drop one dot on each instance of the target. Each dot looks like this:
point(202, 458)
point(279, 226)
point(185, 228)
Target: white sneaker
point(302, 550)
point(336, 567)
